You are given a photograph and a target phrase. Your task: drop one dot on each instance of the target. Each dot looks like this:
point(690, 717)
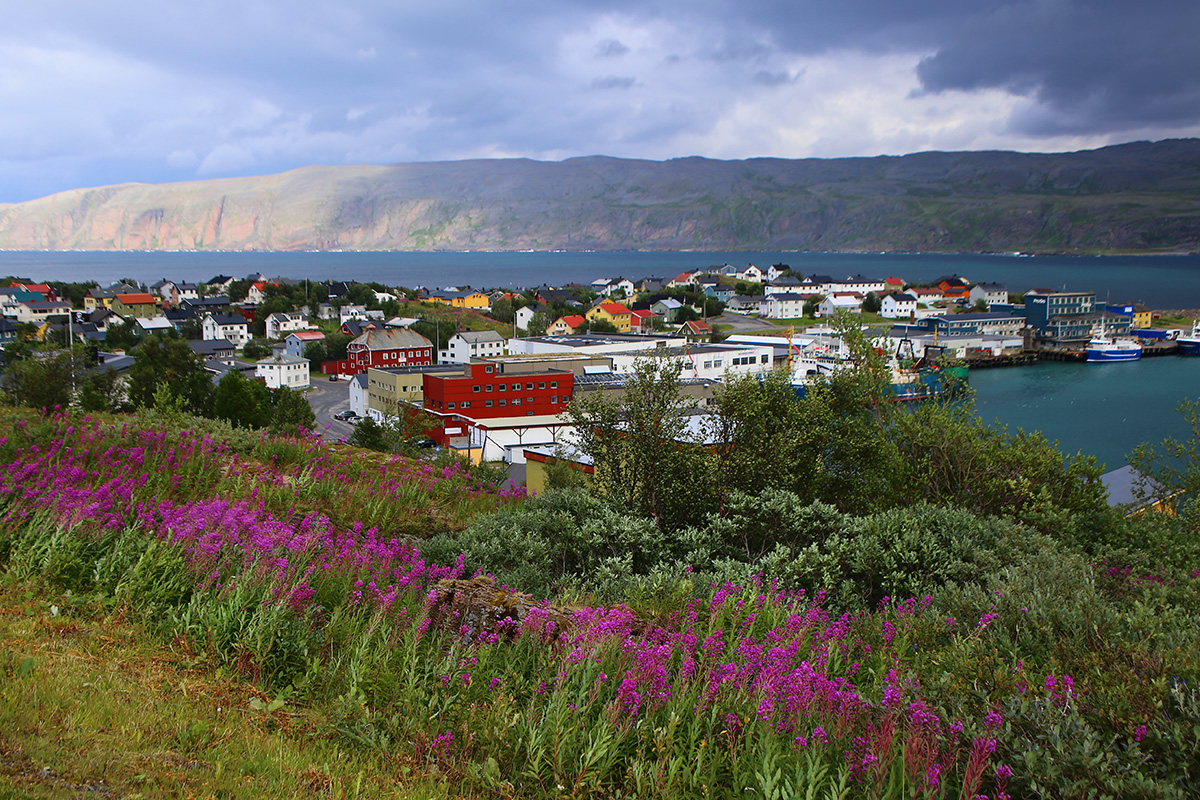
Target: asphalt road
point(740, 324)
point(328, 398)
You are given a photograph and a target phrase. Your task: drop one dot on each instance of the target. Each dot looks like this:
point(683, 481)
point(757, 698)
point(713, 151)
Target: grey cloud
point(611, 48)
point(764, 78)
point(614, 82)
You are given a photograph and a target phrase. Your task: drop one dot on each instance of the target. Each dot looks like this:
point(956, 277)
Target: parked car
point(346, 416)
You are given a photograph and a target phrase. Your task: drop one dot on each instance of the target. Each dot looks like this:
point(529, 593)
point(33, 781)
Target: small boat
point(1103, 347)
point(1190, 345)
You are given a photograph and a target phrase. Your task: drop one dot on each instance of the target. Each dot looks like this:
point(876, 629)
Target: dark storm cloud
point(139, 90)
point(1098, 66)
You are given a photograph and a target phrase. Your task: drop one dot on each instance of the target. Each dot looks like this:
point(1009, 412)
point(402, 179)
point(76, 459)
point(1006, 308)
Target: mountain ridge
point(1136, 197)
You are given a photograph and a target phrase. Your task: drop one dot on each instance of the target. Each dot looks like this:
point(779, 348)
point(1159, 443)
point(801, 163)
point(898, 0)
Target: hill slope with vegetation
point(1139, 197)
point(842, 599)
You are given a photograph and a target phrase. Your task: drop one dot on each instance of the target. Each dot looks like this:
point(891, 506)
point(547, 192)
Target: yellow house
point(460, 299)
point(565, 325)
point(1142, 316)
point(138, 304)
point(615, 313)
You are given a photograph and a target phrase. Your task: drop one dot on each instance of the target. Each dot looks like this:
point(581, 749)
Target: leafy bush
point(562, 537)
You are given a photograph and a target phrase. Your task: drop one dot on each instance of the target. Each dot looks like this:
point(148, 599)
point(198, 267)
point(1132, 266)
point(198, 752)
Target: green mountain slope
point(1133, 197)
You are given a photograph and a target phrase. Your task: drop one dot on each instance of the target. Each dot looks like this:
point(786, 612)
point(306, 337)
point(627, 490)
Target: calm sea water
point(1099, 409)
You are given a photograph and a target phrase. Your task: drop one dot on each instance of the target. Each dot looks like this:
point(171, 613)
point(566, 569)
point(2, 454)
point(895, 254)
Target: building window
point(465, 404)
point(502, 387)
point(553, 398)
point(553, 384)
point(503, 402)
point(450, 405)
point(490, 370)
point(489, 387)
point(529, 385)
point(516, 401)
point(542, 385)
point(476, 388)
point(487, 403)
point(764, 359)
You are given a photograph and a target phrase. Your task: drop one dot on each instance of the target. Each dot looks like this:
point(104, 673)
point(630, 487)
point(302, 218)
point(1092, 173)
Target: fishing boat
point(1190, 345)
point(1103, 347)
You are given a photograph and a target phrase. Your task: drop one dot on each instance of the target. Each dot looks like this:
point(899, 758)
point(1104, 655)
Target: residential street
point(328, 398)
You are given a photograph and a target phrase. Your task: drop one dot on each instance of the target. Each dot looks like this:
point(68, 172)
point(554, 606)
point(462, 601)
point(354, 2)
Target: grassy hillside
point(1140, 197)
point(186, 610)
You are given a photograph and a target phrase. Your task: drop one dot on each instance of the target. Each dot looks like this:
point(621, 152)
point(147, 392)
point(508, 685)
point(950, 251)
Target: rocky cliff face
point(1136, 197)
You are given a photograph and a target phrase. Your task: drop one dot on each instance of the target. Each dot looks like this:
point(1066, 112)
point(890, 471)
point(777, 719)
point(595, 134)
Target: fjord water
point(1098, 409)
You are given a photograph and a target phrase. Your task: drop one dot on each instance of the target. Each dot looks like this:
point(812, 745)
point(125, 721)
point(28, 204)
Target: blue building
point(1071, 316)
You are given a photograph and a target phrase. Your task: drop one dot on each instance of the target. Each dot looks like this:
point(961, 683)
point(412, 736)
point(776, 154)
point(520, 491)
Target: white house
point(282, 369)
point(787, 285)
point(898, 305)
point(786, 305)
point(840, 301)
point(625, 285)
point(282, 323)
point(858, 283)
point(38, 311)
point(351, 312)
point(226, 326)
point(927, 295)
point(750, 273)
point(256, 293)
point(150, 325)
point(464, 346)
point(525, 315)
point(989, 293)
point(359, 385)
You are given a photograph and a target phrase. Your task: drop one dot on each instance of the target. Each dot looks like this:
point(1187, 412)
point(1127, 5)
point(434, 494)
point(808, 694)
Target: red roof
point(697, 326)
point(893, 281)
point(137, 298)
point(640, 313)
point(572, 320)
point(44, 288)
point(614, 308)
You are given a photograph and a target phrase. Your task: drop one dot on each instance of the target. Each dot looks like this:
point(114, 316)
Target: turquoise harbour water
point(1103, 410)
point(1099, 409)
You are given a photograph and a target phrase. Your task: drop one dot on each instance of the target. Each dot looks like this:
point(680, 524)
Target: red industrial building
point(487, 390)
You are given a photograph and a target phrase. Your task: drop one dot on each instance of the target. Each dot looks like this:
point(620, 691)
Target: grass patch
point(91, 704)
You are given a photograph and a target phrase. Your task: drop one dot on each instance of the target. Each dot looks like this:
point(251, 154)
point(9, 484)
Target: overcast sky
point(131, 90)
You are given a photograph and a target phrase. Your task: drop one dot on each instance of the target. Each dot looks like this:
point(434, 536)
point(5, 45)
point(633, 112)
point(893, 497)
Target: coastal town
point(491, 373)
